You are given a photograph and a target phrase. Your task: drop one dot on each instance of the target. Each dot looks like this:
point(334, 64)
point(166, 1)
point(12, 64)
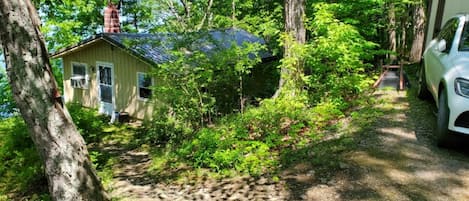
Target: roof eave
point(95, 39)
point(71, 49)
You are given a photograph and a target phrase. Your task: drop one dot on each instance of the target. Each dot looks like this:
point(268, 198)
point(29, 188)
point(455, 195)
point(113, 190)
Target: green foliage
point(259, 139)
point(69, 21)
point(292, 65)
point(367, 15)
point(57, 70)
point(103, 163)
point(371, 18)
point(138, 14)
point(197, 86)
point(336, 60)
point(88, 121)
point(254, 142)
point(21, 168)
point(165, 128)
point(7, 103)
point(261, 17)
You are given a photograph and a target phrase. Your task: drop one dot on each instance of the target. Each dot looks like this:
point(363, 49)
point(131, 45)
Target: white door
point(105, 88)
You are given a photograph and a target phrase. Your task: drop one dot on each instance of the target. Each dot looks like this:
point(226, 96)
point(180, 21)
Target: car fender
point(443, 85)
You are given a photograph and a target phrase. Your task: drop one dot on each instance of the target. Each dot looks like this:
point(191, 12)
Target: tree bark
point(66, 161)
point(418, 33)
point(392, 32)
point(290, 78)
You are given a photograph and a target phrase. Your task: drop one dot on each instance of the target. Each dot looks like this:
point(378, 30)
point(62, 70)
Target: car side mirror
point(441, 46)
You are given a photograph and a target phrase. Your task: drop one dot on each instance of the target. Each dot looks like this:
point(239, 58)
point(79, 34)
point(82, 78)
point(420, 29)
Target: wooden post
point(401, 75)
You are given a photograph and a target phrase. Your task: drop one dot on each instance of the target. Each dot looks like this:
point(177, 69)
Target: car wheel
point(422, 91)
point(442, 131)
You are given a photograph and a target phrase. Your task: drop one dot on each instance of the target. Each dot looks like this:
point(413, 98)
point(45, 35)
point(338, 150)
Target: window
point(144, 85)
point(464, 43)
point(79, 77)
point(448, 32)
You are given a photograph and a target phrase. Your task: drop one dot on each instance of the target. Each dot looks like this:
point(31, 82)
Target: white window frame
point(79, 82)
point(138, 86)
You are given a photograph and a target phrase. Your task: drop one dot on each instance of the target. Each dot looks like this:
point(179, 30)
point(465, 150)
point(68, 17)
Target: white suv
point(444, 74)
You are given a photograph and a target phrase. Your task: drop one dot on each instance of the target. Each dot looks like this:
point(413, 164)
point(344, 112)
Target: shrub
point(21, 168)
point(22, 171)
point(253, 142)
point(336, 58)
point(88, 121)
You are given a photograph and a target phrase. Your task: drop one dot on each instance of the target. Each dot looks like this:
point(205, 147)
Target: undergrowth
point(94, 128)
point(89, 123)
point(21, 174)
point(278, 133)
point(262, 140)
point(21, 171)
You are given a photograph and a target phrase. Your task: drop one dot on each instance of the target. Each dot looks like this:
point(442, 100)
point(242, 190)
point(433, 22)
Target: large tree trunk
point(66, 160)
point(294, 25)
point(418, 33)
point(291, 77)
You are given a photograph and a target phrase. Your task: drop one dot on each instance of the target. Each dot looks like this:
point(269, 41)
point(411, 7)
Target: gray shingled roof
point(155, 48)
point(148, 46)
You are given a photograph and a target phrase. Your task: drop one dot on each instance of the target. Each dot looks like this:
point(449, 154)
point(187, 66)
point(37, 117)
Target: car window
point(464, 43)
point(448, 32)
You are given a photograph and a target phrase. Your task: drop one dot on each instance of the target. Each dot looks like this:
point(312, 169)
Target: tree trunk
point(402, 49)
point(290, 77)
point(392, 33)
point(418, 33)
point(66, 161)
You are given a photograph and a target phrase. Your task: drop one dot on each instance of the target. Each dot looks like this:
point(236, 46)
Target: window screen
point(144, 85)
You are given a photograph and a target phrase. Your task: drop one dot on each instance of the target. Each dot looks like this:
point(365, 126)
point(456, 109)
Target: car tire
point(422, 91)
point(443, 134)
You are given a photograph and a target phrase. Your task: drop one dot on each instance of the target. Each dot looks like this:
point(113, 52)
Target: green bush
point(337, 71)
point(164, 128)
point(254, 141)
point(22, 172)
point(88, 121)
point(21, 168)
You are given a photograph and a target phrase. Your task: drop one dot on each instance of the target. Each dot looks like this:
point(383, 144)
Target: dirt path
point(395, 159)
point(131, 183)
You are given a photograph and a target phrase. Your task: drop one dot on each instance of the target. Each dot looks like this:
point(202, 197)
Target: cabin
point(440, 11)
point(110, 71)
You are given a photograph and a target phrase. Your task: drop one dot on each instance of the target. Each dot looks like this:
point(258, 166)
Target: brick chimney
point(111, 19)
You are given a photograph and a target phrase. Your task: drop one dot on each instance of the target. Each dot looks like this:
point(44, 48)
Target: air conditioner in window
point(79, 81)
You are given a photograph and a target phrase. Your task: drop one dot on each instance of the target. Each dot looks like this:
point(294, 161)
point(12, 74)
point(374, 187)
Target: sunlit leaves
point(337, 55)
point(66, 22)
